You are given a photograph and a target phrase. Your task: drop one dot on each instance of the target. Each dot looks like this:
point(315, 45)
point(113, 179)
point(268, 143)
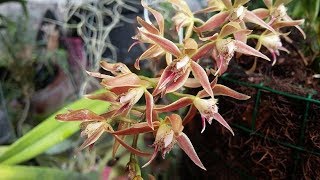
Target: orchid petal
point(222, 65)
point(99, 75)
point(158, 16)
point(227, 3)
point(115, 68)
point(176, 123)
point(79, 115)
point(131, 149)
point(133, 44)
point(109, 114)
point(223, 122)
point(116, 144)
point(155, 152)
point(268, 3)
point(202, 51)
point(240, 2)
point(164, 43)
point(190, 46)
point(245, 49)
point(281, 24)
point(288, 18)
point(213, 22)
point(211, 38)
point(182, 6)
point(182, 102)
point(192, 83)
point(168, 58)
point(186, 145)
point(228, 29)
point(190, 115)
point(149, 27)
point(149, 108)
point(203, 120)
point(138, 128)
point(152, 52)
point(164, 77)
point(199, 73)
point(168, 139)
point(189, 30)
point(105, 96)
point(242, 35)
point(91, 139)
point(262, 13)
point(208, 9)
point(123, 80)
point(179, 82)
point(251, 17)
point(203, 93)
point(219, 89)
point(119, 90)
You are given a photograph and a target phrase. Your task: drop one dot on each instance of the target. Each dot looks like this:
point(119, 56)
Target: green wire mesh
point(298, 147)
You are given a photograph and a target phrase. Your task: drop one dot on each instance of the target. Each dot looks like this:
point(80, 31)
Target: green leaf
point(29, 172)
point(49, 133)
point(3, 149)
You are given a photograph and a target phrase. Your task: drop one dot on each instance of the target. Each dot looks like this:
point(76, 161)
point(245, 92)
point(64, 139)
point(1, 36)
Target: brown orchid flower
point(273, 43)
point(184, 17)
point(228, 12)
point(176, 73)
point(128, 87)
point(168, 134)
point(223, 49)
point(207, 107)
point(277, 13)
point(154, 50)
point(92, 125)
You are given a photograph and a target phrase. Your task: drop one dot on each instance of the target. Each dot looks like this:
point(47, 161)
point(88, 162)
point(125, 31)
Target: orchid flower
point(228, 12)
point(184, 17)
point(128, 87)
point(278, 13)
point(207, 107)
point(168, 134)
point(154, 50)
point(92, 125)
point(223, 49)
point(273, 43)
point(177, 72)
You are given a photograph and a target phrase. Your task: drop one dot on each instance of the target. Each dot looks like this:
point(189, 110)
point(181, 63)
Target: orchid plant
point(218, 39)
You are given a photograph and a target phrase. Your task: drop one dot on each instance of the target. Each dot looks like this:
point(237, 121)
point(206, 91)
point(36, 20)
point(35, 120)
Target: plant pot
point(54, 95)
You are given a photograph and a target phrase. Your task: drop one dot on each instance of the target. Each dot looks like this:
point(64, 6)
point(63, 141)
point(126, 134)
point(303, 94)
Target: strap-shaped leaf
point(47, 134)
point(32, 172)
